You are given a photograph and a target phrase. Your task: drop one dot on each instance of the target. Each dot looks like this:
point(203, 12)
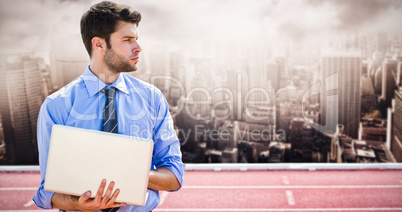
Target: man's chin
point(129, 69)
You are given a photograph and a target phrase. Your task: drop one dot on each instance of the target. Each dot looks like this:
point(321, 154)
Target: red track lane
point(258, 178)
point(254, 190)
point(277, 198)
point(17, 200)
point(19, 179)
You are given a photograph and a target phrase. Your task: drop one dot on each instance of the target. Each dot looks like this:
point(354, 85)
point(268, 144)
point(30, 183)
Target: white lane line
point(279, 209)
point(285, 180)
point(163, 196)
point(29, 203)
point(248, 187)
point(290, 187)
point(252, 209)
point(31, 210)
point(19, 189)
point(289, 196)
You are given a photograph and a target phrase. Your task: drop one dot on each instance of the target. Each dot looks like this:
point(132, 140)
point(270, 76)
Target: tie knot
point(110, 92)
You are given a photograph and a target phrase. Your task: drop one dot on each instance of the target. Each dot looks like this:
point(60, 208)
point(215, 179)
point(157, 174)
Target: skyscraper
point(399, 74)
point(20, 100)
point(389, 73)
point(259, 106)
point(273, 73)
point(345, 89)
point(159, 63)
point(396, 140)
point(381, 42)
point(257, 72)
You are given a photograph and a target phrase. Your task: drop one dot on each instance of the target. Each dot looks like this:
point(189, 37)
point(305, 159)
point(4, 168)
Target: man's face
point(123, 53)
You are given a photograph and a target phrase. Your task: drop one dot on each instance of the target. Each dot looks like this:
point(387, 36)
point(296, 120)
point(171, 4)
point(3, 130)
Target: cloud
point(300, 18)
point(360, 13)
point(32, 24)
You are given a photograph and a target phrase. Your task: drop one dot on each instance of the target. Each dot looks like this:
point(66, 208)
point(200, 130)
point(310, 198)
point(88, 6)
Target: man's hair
point(101, 21)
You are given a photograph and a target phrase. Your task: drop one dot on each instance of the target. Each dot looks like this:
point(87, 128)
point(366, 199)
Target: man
point(109, 32)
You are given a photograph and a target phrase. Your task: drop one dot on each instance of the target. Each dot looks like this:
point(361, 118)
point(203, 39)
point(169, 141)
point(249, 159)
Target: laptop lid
point(80, 158)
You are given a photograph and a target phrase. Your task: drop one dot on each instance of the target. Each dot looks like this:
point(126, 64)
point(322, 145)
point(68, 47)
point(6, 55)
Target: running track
point(322, 190)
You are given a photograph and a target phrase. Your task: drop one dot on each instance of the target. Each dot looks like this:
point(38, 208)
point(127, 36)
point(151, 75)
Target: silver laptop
point(79, 159)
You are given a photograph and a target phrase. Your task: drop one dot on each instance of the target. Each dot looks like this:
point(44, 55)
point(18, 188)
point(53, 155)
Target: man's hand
point(85, 203)
point(108, 201)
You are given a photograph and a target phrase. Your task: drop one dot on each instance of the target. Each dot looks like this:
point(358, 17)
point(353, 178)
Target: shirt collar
point(94, 84)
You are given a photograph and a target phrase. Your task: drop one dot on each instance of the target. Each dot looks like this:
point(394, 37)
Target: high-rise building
point(200, 103)
point(273, 71)
point(259, 106)
point(257, 73)
point(2, 144)
point(389, 72)
point(381, 42)
point(20, 100)
point(68, 58)
point(378, 81)
point(399, 74)
point(159, 63)
point(368, 97)
point(396, 141)
point(342, 91)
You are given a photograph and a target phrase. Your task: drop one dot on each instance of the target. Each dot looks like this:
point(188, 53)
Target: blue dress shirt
point(142, 111)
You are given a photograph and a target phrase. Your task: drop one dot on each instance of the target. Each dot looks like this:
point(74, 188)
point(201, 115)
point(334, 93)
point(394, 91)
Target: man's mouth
point(135, 59)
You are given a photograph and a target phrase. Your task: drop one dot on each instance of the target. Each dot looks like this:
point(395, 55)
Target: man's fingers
point(108, 193)
point(111, 202)
point(84, 197)
point(99, 194)
point(108, 201)
point(115, 205)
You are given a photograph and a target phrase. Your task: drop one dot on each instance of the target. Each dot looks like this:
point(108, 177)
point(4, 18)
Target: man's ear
point(98, 45)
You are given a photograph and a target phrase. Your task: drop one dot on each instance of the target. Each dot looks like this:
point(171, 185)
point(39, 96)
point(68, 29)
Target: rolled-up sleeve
point(43, 198)
point(48, 116)
point(166, 144)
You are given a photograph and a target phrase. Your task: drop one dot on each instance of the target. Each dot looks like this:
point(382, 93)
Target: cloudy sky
point(35, 25)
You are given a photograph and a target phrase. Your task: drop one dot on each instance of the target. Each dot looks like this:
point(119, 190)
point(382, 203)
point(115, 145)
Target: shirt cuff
point(178, 171)
point(43, 198)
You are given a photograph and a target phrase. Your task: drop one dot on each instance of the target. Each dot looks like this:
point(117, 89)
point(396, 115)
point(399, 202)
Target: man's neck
point(103, 73)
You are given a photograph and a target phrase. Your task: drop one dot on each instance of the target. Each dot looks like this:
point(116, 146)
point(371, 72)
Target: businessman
point(105, 98)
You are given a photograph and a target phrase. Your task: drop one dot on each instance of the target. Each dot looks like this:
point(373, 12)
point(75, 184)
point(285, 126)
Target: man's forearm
point(162, 179)
point(85, 203)
point(65, 202)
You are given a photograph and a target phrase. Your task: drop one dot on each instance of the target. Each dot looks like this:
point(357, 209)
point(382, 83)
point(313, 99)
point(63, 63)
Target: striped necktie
point(109, 112)
point(110, 122)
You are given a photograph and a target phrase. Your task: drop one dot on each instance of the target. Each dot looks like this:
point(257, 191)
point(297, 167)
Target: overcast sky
point(31, 25)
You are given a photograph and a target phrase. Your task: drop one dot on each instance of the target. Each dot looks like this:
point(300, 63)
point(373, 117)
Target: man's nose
point(137, 47)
